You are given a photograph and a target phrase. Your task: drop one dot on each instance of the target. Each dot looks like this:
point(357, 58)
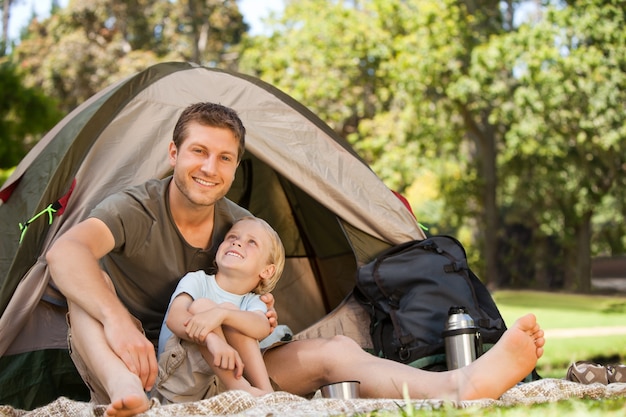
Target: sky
point(252, 10)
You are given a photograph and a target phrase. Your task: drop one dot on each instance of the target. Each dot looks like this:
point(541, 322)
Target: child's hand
point(224, 356)
point(201, 324)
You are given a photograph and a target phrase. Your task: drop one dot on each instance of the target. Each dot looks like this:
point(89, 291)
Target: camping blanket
point(277, 404)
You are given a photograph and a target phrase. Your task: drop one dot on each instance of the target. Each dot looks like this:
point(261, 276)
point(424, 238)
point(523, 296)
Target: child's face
point(246, 251)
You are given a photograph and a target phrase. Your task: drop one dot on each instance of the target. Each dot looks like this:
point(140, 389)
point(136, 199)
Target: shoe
point(585, 372)
point(616, 373)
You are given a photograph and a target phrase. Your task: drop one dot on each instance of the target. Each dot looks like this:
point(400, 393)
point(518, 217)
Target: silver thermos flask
point(462, 338)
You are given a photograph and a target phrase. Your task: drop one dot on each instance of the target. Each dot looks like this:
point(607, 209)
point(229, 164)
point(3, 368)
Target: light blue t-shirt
point(200, 285)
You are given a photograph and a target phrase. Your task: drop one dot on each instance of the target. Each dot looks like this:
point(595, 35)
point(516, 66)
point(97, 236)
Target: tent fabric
point(35, 383)
point(331, 210)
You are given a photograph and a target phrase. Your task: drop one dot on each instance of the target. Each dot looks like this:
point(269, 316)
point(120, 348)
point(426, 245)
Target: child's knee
point(201, 304)
point(228, 306)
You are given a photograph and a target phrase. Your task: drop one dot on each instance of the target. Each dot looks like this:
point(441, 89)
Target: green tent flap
point(36, 378)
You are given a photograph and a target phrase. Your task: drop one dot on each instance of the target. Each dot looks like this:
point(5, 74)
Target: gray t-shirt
point(150, 254)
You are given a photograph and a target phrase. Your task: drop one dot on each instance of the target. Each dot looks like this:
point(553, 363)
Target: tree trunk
point(491, 215)
point(583, 254)
point(6, 15)
point(484, 138)
point(195, 17)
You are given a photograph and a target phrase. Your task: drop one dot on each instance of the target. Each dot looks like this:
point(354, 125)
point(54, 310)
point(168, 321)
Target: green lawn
point(562, 311)
point(556, 310)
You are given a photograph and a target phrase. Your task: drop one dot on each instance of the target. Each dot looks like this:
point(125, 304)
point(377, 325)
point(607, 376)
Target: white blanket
point(282, 404)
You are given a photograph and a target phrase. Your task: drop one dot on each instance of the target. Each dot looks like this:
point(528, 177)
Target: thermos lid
point(457, 310)
point(459, 319)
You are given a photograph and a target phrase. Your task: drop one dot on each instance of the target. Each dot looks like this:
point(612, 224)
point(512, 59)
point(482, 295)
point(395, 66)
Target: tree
point(6, 19)
point(560, 86)
point(93, 43)
point(379, 71)
point(437, 84)
point(25, 113)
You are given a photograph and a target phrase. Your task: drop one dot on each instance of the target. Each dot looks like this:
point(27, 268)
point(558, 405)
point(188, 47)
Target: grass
point(568, 311)
point(555, 311)
point(610, 407)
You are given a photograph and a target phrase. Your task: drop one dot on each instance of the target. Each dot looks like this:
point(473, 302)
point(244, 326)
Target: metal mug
point(344, 390)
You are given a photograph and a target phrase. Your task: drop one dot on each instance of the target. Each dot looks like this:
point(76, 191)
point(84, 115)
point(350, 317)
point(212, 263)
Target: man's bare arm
point(73, 262)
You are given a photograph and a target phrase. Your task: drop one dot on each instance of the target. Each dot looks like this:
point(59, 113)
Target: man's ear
point(173, 154)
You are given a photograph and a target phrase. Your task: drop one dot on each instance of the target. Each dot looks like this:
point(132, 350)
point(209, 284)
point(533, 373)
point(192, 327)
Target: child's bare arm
point(251, 323)
point(179, 315)
point(224, 355)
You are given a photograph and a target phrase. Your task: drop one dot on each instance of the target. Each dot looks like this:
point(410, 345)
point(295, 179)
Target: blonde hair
point(276, 256)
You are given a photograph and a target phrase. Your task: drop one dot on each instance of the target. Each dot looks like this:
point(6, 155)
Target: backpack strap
point(393, 300)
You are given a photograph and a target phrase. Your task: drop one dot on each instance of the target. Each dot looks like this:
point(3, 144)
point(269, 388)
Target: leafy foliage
point(25, 113)
point(503, 116)
point(509, 135)
point(559, 102)
point(94, 43)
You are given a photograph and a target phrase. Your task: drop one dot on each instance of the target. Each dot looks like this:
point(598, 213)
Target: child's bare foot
point(505, 364)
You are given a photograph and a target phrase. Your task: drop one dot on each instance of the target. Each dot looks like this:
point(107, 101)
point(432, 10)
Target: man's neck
point(194, 222)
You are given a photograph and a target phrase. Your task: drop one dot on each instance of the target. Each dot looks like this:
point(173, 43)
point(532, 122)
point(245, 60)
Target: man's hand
point(135, 350)
point(224, 355)
point(272, 315)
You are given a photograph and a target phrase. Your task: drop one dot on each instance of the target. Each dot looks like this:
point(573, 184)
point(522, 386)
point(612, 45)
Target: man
point(118, 268)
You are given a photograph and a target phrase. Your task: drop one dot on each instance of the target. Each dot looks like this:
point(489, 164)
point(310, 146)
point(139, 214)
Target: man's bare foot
point(505, 364)
point(128, 406)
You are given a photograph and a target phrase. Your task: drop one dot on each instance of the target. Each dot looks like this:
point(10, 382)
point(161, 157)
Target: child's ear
point(268, 271)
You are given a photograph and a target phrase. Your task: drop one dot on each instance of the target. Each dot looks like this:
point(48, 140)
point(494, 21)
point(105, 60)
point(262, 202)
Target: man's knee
point(336, 348)
point(342, 342)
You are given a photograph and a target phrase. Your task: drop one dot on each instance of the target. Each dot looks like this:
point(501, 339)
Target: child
point(214, 322)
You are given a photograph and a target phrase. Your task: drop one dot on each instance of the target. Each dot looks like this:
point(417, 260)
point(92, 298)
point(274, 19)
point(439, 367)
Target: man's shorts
point(184, 374)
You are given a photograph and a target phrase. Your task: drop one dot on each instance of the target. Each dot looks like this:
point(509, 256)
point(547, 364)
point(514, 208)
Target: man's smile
point(204, 183)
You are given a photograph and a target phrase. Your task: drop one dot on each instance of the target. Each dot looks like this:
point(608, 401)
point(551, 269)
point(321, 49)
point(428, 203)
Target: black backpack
point(408, 290)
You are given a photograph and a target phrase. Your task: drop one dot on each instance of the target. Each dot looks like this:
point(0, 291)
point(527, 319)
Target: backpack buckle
point(404, 353)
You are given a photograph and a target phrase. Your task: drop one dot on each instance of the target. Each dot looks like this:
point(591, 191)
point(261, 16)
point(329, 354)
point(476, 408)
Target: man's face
point(204, 164)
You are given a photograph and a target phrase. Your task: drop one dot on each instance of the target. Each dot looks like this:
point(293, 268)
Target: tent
point(331, 211)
